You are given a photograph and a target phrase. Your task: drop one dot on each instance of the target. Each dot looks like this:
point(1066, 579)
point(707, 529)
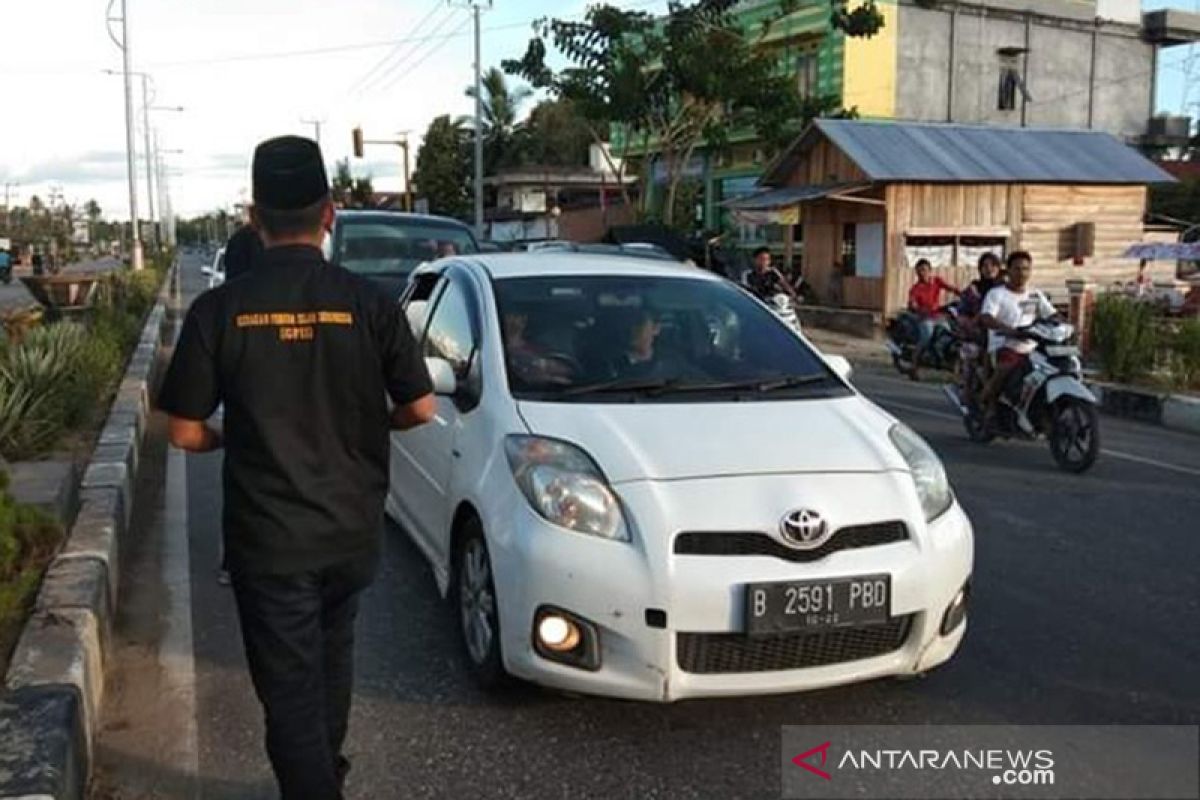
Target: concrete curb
point(1178, 413)
point(53, 692)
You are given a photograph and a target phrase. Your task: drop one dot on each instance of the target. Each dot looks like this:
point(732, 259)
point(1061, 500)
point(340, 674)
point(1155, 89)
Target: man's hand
point(414, 414)
point(193, 435)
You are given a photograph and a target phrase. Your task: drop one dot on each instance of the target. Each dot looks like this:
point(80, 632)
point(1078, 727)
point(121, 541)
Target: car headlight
point(928, 474)
point(564, 486)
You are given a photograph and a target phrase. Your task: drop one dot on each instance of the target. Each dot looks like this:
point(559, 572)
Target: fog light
point(558, 634)
point(566, 638)
point(956, 612)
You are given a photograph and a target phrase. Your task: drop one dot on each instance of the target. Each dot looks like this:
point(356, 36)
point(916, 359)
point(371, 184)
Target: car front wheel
point(478, 614)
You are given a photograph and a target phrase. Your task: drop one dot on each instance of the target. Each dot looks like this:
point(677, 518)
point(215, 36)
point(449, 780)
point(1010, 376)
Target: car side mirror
point(840, 365)
point(441, 373)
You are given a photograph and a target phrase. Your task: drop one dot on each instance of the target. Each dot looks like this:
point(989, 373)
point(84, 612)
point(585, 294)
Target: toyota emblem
point(804, 529)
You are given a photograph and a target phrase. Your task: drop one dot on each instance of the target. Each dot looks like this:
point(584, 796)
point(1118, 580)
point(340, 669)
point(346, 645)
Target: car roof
point(398, 216)
point(557, 263)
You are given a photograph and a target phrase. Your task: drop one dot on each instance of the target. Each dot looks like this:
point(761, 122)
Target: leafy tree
point(557, 135)
point(444, 168)
point(93, 211)
point(679, 82)
point(501, 108)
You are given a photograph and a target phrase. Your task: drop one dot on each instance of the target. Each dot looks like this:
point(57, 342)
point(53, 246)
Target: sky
point(245, 70)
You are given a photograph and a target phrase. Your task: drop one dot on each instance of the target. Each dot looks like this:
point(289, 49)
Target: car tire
point(476, 609)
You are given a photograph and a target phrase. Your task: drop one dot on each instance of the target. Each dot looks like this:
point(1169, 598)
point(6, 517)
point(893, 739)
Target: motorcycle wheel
point(1075, 435)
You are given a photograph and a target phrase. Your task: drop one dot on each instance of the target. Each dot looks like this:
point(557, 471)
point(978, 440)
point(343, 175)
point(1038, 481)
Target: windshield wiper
point(762, 385)
point(660, 386)
point(617, 386)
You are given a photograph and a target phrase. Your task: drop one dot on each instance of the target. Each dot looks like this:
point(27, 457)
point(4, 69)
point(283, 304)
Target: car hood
point(665, 441)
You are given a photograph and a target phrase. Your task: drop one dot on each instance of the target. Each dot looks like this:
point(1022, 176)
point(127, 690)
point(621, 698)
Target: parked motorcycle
point(904, 334)
point(1047, 398)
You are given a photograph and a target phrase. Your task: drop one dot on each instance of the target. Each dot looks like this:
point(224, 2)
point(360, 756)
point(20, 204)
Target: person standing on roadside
point(303, 355)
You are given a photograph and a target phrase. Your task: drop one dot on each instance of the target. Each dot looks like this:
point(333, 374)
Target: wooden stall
point(873, 197)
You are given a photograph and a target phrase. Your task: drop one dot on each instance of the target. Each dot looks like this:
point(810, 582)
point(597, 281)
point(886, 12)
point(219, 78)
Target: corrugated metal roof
point(946, 153)
point(786, 197)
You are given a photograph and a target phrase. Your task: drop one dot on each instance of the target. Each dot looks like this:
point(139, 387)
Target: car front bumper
point(613, 585)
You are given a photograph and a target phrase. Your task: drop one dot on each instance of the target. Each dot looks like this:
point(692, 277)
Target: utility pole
point(478, 127)
point(135, 256)
point(476, 7)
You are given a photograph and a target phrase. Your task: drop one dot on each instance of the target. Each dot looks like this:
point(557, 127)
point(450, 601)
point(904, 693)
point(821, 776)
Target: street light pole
point(135, 255)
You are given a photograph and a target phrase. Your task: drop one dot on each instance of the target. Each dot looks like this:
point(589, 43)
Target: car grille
point(718, 653)
point(699, 543)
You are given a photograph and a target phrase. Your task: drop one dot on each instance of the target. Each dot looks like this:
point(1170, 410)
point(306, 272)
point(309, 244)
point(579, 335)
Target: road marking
point(1118, 454)
point(1152, 462)
point(176, 653)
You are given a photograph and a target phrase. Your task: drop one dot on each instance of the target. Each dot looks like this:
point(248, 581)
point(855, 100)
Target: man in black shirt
point(764, 281)
point(302, 354)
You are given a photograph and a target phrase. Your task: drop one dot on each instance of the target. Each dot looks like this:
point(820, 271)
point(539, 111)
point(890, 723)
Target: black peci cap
point(289, 174)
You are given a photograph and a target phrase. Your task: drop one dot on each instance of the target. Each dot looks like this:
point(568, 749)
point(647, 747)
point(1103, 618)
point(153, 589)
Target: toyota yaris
point(641, 483)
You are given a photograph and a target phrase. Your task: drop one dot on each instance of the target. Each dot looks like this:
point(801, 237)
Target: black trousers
point(298, 630)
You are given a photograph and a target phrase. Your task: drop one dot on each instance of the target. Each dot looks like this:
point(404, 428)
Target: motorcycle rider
point(924, 302)
point(765, 281)
point(973, 334)
point(1006, 309)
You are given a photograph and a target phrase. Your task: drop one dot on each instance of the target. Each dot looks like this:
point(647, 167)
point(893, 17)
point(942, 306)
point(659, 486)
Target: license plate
point(816, 605)
point(1061, 350)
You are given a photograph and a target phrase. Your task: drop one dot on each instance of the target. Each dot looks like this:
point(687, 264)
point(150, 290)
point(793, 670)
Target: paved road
point(15, 295)
point(1087, 599)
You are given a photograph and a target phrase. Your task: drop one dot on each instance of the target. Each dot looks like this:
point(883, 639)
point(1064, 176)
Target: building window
point(849, 248)
point(808, 72)
point(1012, 84)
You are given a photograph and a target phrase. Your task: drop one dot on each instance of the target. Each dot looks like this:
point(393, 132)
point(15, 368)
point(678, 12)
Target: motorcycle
point(1045, 398)
point(781, 305)
point(904, 335)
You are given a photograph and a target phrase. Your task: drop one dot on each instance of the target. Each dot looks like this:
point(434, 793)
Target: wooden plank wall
point(1047, 232)
point(823, 223)
point(959, 206)
point(863, 293)
point(825, 165)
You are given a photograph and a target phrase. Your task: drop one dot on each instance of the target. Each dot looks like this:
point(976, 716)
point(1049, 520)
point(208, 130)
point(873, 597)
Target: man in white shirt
point(1006, 309)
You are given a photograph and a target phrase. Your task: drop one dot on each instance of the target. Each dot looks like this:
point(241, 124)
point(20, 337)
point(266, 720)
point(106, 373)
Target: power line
point(387, 74)
point(412, 68)
point(336, 49)
point(416, 29)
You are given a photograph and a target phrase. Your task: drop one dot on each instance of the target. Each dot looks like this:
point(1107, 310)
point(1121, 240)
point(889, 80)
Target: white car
point(215, 272)
point(641, 483)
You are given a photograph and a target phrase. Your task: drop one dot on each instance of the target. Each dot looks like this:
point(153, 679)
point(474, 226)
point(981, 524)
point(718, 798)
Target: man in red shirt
point(924, 300)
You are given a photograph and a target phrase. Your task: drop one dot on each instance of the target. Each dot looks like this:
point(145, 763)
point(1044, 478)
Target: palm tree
point(501, 107)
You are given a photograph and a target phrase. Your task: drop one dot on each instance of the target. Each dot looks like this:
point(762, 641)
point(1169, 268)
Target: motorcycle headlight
point(928, 474)
point(564, 486)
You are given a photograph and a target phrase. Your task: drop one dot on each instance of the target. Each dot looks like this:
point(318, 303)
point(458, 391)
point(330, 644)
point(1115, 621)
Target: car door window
point(420, 298)
point(450, 335)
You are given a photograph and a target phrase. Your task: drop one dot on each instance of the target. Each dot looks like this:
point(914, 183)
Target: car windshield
point(646, 339)
point(396, 247)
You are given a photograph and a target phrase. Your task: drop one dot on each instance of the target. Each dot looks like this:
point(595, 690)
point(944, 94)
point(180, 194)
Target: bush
point(1124, 337)
point(58, 376)
point(28, 539)
point(1185, 354)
